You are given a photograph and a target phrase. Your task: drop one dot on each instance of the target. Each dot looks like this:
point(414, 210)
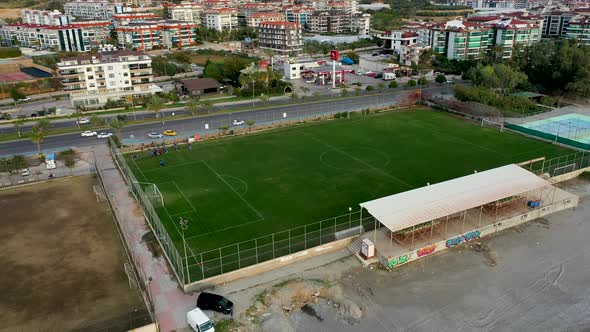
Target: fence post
point(305, 237)
point(239, 263)
point(202, 267)
point(273, 245)
point(320, 232)
point(220, 261)
point(289, 241)
point(256, 246)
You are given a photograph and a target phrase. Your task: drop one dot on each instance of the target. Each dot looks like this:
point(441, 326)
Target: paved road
point(189, 126)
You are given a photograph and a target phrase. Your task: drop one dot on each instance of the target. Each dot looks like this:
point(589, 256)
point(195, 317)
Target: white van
point(198, 321)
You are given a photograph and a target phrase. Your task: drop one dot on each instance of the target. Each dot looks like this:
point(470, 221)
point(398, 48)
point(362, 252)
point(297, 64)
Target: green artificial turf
point(241, 188)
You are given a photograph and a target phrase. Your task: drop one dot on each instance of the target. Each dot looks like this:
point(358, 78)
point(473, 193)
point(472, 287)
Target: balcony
point(69, 73)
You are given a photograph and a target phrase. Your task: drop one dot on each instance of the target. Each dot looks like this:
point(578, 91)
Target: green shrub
point(411, 83)
point(422, 81)
point(513, 104)
point(10, 52)
point(69, 161)
point(393, 85)
point(440, 78)
point(370, 88)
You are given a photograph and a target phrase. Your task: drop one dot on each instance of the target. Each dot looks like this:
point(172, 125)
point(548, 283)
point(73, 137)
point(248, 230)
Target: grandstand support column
point(239, 264)
point(480, 212)
point(361, 222)
point(413, 228)
point(431, 230)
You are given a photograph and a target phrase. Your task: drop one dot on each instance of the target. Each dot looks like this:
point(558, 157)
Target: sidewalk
point(170, 303)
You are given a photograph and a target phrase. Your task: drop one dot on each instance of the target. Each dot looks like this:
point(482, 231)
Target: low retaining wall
point(570, 175)
point(270, 265)
point(415, 254)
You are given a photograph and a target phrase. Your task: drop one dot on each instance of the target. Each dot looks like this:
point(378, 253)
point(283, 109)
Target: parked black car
point(209, 301)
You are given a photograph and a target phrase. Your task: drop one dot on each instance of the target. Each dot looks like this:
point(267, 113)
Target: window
point(90, 77)
point(111, 75)
point(125, 74)
point(110, 67)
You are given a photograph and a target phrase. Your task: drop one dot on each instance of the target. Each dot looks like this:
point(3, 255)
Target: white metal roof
point(439, 200)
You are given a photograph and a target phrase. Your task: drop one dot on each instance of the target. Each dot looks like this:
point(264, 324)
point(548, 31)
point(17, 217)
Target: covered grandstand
point(419, 222)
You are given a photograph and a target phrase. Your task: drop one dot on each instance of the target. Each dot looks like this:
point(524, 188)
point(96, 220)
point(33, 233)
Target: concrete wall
point(570, 175)
point(415, 254)
point(270, 265)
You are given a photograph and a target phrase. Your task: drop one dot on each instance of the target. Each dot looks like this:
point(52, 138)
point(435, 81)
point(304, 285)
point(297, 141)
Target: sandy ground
point(10, 12)
point(530, 278)
point(62, 261)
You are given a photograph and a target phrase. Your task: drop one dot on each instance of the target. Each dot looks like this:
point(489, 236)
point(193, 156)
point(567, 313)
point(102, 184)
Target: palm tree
point(207, 104)
point(116, 125)
point(264, 99)
point(18, 123)
point(317, 95)
point(194, 106)
point(250, 123)
point(155, 104)
point(38, 133)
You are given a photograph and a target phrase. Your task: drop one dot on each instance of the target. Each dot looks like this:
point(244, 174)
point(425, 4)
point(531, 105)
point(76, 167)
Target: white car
point(155, 135)
point(23, 100)
point(104, 135)
point(83, 121)
point(238, 123)
point(88, 133)
point(25, 172)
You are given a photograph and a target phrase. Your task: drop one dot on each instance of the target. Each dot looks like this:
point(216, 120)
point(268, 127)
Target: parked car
point(155, 135)
point(371, 74)
point(169, 132)
point(88, 133)
point(198, 321)
point(210, 301)
point(25, 172)
point(238, 123)
point(83, 121)
point(23, 100)
point(104, 135)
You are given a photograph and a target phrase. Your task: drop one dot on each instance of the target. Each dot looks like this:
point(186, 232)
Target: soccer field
point(240, 188)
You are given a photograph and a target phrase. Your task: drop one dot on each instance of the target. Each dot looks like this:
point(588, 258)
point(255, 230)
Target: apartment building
point(92, 80)
point(222, 19)
point(420, 28)
point(94, 33)
point(120, 20)
point(464, 40)
point(188, 12)
point(329, 21)
point(579, 29)
point(254, 19)
point(360, 23)
point(44, 37)
point(394, 40)
point(93, 9)
point(283, 38)
point(44, 17)
point(153, 34)
point(555, 24)
point(299, 14)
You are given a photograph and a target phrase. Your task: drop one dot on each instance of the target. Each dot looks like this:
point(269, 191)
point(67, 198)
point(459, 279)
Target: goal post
point(492, 124)
point(153, 193)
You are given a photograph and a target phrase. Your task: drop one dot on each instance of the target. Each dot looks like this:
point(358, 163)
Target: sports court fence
point(560, 165)
point(548, 136)
point(36, 176)
point(233, 257)
point(168, 247)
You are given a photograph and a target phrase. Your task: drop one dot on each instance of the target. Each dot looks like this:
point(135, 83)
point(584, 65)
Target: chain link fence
point(37, 174)
point(560, 165)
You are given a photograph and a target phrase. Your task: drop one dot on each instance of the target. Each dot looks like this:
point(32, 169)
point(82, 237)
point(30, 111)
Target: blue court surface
point(572, 126)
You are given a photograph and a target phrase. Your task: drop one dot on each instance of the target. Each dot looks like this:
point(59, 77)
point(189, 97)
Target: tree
point(425, 59)
point(16, 95)
point(422, 81)
point(263, 99)
point(381, 86)
point(498, 77)
point(344, 92)
point(96, 121)
point(39, 132)
point(353, 56)
point(411, 83)
point(357, 90)
point(294, 96)
point(317, 95)
point(18, 123)
point(250, 123)
point(155, 104)
point(206, 104)
point(370, 88)
point(116, 125)
point(194, 105)
point(224, 129)
point(440, 78)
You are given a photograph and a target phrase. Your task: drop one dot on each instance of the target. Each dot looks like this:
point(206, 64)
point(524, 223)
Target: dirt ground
point(202, 59)
point(62, 261)
point(529, 278)
point(10, 12)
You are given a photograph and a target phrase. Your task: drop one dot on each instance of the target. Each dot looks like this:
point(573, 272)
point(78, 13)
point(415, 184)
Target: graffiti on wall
point(426, 250)
point(399, 260)
point(465, 237)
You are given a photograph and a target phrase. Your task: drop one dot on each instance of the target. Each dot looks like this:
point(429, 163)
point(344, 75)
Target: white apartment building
point(92, 80)
point(45, 37)
point(220, 19)
point(283, 38)
point(253, 20)
point(44, 17)
point(120, 20)
point(360, 23)
point(93, 9)
point(188, 12)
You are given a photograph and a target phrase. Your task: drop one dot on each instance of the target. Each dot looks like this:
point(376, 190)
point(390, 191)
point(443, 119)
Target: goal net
point(154, 195)
point(492, 124)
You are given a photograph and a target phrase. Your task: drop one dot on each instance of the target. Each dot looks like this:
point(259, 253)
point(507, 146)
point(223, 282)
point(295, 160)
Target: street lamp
point(350, 215)
point(184, 226)
point(252, 93)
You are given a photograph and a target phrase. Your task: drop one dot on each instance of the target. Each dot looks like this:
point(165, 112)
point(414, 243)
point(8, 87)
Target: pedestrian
point(162, 163)
point(190, 146)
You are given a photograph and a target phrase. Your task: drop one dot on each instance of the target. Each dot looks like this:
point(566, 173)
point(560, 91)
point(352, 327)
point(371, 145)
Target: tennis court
point(571, 129)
